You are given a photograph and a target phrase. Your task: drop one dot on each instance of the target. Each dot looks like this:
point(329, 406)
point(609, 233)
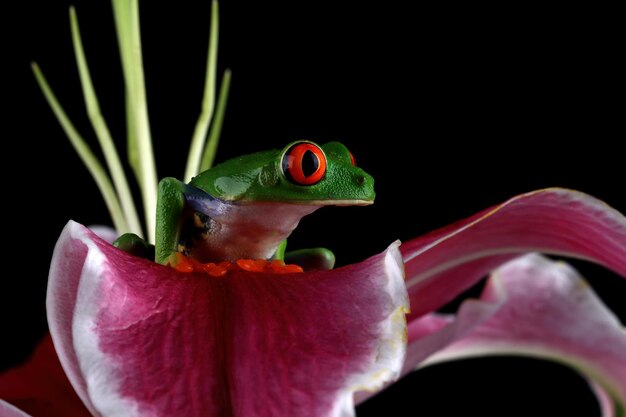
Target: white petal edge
point(391, 350)
point(432, 333)
point(60, 310)
point(77, 344)
point(104, 232)
point(103, 384)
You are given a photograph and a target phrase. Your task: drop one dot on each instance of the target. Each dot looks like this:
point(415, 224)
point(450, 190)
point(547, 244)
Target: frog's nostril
point(360, 180)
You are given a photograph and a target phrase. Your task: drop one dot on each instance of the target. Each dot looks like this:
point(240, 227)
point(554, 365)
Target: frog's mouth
point(317, 203)
point(338, 202)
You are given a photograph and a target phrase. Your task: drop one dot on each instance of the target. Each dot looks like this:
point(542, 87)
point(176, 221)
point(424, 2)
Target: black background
point(452, 109)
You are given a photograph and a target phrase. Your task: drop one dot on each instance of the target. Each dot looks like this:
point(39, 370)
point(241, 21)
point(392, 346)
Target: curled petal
point(551, 313)
point(443, 263)
point(140, 338)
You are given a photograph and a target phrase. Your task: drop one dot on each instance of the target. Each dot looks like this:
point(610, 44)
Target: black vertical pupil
point(310, 163)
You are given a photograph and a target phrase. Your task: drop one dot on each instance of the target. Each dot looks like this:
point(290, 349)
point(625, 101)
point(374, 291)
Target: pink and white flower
point(140, 339)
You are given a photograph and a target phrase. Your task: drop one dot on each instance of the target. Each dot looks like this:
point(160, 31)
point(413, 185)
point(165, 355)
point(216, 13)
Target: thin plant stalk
point(102, 132)
point(140, 152)
point(216, 127)
point(208, 100)
point(84, 152)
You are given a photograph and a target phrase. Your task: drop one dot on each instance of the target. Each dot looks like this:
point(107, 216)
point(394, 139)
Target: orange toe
point(182, 263)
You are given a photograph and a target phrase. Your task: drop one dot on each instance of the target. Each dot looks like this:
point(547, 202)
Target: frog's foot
point(312, 259)
point(133, 244)
point(182, 263)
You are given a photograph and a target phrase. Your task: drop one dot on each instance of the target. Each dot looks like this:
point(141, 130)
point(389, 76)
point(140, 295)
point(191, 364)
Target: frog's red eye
point(352, 159)
point(304, 163)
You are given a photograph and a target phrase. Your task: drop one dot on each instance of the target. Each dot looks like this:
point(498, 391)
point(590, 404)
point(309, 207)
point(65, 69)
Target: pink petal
point(8, 410)
point(551, 313)
point(140, 338)
point(443, 263)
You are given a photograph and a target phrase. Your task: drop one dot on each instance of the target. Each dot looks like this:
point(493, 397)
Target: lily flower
point(136, 338)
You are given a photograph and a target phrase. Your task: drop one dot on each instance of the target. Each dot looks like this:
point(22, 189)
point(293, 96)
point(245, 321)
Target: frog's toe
point(133, 244)
point(312, 259)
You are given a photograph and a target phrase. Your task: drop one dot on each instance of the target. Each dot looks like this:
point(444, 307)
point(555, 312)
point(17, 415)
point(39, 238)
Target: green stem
point(102, 131)
point(84, 152)
point(216, 128)
point(208, 100)
point(140, 153)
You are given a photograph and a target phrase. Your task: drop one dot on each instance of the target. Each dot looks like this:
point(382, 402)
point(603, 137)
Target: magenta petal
point(140, 338)
point(8, 410)
point(552, 313)
point(442, 264)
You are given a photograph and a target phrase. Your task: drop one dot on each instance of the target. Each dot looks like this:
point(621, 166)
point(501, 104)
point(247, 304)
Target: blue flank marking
point(205, 203)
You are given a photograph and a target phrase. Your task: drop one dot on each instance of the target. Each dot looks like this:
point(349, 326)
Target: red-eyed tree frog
point(246, 207)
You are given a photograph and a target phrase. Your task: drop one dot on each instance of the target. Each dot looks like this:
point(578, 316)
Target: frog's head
point(302, 173)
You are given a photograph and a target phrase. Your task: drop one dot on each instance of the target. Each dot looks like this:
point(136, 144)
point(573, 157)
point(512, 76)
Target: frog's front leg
point(171, 203)
point(170, 206)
